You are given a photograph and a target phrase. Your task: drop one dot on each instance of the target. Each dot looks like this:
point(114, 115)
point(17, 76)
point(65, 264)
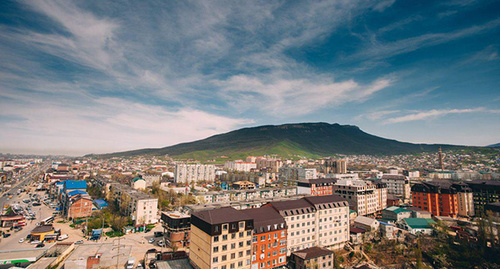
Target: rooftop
point(311, 253)
point(221, 215)
point(419, 223)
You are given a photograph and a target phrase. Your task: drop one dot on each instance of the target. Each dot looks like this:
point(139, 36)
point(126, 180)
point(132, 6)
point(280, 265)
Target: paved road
point(27, 178)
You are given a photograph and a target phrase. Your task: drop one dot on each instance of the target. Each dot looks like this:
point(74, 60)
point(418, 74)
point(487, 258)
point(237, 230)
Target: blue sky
point(78, 77)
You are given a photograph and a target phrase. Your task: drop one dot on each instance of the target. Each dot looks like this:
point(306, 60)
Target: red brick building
point(438, 198)
point(80, 206)
point(316, 187)
point(269, 238)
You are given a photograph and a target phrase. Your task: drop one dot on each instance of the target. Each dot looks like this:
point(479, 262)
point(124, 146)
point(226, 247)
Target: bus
point(47, 220)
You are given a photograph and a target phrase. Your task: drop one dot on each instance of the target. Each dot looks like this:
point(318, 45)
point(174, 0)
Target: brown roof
point(293, 207)
point(323, 180)
point(321, 201)
point(221, 215)
point(42, 229)
point(265, 219)
point(310, 253)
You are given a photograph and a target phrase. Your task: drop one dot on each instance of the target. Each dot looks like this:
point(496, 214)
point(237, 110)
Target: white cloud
point(287, 96)
point(434, 113)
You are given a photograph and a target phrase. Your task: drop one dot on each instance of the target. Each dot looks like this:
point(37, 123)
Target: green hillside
point(288, 140)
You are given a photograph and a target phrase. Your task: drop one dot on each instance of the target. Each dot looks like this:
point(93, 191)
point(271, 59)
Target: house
point(42, 231)
point(78, 205)
point(139, 183)
point(367, 224)
point(314, 257)
point(396, 213)
point(417, 225)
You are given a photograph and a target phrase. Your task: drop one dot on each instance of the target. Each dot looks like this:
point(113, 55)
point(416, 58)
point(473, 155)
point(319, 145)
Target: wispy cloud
point(380, 50)
point(434, 113)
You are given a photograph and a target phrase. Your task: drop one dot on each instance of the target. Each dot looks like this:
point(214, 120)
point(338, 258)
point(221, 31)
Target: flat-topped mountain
point(303, 139)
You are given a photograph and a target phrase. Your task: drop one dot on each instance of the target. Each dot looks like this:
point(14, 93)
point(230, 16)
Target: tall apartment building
point(297, 174)
point(333, 166)
point(142, 208)
point(484, 192)
point(310, 219)
point(465, 199)
point(221, 239)
point(150, 178)
point(240, 165)
point(332, 220)
point(365, 197)
point(438, 198)
point(398, 185)
point(269, 238)
point(272, 164)
point(186, 173)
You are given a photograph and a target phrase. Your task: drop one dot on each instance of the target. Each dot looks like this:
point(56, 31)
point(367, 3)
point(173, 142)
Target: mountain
point(497, 145)
point(303, 139)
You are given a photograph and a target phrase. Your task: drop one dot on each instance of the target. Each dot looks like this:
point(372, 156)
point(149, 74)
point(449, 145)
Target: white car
point(21, 240)
point(151, 241)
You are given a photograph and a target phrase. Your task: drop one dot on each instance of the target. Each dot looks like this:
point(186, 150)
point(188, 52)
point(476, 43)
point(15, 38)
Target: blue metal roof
point(76, 192)
point(75, 184)
point(101, 203)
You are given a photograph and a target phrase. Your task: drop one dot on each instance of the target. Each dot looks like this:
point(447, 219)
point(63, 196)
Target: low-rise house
point(42, 231)
point(366, 223)
point(396, 213)
point(78, 205)
point(417, 225)
point(314, 258)
point(139, 183)
point(388, 230)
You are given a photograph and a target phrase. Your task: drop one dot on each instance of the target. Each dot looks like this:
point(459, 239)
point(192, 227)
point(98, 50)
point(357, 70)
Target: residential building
point(439, 198)
point(313, 258)
point(186, 173)
point(395, 213)
point(297, 174)
point(417, 225)
point(365, 197)
point(316, 187)
point(78, 205)
point(139, 183)
point(243, 185)
point(332, 220)
point(484, 192)
point(221, 239)
point(177, 228)
point(398, 185)
point(151, 177)
point(272, 164)
point(335, 166)
point(240, 165)
point(300, 218)
point(367, 224)
point(141, 207)
point(465, 199)
point(269, 238)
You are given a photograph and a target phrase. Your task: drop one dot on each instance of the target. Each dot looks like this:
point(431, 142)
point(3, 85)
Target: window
point(241, 234)
point(216, 239)
point(224, 227)
point(240, 244)
point(233, 236)
point(240, 264)
point(242, 224)
point(224, 257)
point(233, 256)
point(240, 254)
point(216, 249)
point(215, 259)
point(224, 237)
point(224, 247)
point(233, 245)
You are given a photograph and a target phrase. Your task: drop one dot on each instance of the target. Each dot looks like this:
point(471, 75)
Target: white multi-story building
point(185, 173)
point(240, 165)
point(273, 164)
point(398, 185)
point(297, 173)
point(315, 221)
point(142, 208)
point(365, 197)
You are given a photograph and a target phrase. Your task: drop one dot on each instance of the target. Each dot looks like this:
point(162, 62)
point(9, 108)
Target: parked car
point(35, 242)
point(21, 240)
point(151, 241)
point(161, 243)
point(62, 237)
point(79, 242)
point(158, 234)
point(5, 235)
point(41, 245)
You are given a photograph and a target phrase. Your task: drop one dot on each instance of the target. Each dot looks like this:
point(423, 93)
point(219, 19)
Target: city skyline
point(80, 77)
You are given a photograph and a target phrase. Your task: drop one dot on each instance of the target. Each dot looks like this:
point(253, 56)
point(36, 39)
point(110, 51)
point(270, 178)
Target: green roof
point(397, 209)
point(419, 223)
point(138, 178)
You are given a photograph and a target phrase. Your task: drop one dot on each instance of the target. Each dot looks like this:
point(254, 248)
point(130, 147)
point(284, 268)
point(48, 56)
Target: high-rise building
point(484, 192)
point(364, 196)
point(439, 198)
point(186, 173)
point(333, 166)
point(221, 239)
point(398, 185)
point(272, 164)
point(269, 238)
point(240, 165)
point(177, 227)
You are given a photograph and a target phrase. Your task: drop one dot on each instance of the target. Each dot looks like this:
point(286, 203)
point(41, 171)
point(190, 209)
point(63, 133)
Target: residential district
point(432, 210)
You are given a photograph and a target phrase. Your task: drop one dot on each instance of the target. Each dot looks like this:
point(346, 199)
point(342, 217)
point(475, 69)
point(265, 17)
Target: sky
point(92, 76)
